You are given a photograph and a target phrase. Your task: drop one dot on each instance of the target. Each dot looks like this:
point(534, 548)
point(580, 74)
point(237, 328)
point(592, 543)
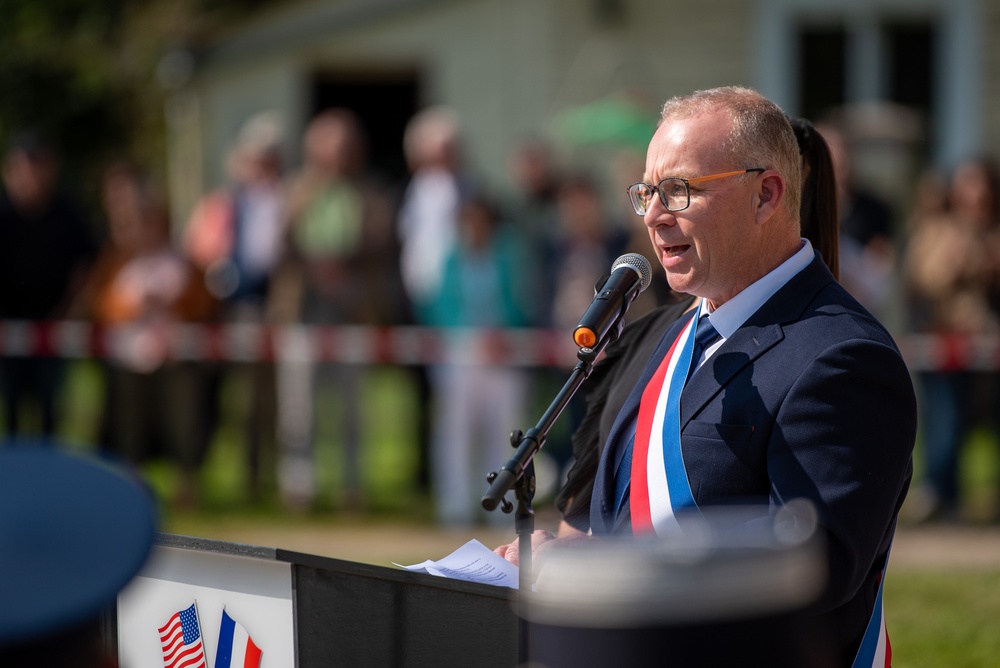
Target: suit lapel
point(761, 332)
point(739, 351)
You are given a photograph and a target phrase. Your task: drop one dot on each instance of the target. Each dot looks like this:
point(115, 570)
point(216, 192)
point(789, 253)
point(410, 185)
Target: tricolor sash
point(659, 483)
point(875, 650)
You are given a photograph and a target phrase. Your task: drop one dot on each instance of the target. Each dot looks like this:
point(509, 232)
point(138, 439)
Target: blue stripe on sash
point(673, 458)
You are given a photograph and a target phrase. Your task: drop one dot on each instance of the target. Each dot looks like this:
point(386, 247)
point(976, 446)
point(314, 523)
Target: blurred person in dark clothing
point(46, 246)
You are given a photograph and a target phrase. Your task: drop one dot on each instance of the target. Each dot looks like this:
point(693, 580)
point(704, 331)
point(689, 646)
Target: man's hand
point(511, 551)
point(541, 541)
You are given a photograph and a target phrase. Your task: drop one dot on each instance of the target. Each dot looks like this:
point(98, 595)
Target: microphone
point(630, 274)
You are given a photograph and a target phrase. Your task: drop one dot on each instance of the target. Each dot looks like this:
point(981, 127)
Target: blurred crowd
point(329, 241)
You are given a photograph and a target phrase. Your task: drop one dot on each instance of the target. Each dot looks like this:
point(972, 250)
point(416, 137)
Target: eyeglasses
point(675, 192)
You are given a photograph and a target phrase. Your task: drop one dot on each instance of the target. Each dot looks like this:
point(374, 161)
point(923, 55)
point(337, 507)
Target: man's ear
point(770, 194)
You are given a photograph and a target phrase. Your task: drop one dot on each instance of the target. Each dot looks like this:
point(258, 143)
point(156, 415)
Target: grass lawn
point(943, 619)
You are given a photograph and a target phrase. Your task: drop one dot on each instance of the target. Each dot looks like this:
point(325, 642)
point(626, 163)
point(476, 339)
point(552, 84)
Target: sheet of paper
point(473, 562)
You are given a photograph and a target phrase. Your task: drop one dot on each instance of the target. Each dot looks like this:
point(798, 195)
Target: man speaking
point(777, 385)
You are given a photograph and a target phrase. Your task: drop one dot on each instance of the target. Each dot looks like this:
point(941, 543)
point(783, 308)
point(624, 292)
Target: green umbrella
point(612, 120)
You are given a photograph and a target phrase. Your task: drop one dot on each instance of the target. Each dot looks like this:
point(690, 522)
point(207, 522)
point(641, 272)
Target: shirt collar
point(730, 316)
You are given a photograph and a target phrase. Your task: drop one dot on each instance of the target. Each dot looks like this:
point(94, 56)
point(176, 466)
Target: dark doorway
point(384, 102)
point(906, 74)
point(822, 61)
point(912, 54)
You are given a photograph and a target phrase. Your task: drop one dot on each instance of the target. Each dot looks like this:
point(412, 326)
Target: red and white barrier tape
point(244, 342)
point(151, 344)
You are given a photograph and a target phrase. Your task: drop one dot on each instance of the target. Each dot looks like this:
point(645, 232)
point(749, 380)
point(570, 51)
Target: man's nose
point(657, 215)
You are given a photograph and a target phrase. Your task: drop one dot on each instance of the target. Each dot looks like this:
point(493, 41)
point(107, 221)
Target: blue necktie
point(704, 337)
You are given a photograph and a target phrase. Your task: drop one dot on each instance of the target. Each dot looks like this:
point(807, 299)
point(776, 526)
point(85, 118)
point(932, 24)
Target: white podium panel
point(253, 588)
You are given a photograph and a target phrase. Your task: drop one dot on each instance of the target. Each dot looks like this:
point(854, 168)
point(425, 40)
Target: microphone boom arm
point(531, 442)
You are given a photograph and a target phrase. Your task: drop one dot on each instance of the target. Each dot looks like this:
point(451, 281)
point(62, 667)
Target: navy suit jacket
point(811, 399)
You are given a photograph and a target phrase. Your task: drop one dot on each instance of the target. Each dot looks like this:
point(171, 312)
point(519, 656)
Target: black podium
point(729, 589)
point(327, 612)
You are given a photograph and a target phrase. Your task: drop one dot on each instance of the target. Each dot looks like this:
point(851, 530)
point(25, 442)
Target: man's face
point(704, 247)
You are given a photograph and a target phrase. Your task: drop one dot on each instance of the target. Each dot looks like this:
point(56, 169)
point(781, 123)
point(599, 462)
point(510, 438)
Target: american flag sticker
point(180, 639)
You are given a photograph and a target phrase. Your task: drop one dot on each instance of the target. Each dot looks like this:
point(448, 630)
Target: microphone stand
point(519, 473)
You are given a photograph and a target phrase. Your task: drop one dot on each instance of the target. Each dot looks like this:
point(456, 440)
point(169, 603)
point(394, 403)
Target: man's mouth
point(672, 251)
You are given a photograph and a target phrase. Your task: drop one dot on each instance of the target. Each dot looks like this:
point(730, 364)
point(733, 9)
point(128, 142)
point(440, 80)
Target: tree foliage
point(58, 76)
point(83, 72)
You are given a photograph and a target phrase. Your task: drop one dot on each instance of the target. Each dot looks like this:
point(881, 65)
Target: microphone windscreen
point(640, 264)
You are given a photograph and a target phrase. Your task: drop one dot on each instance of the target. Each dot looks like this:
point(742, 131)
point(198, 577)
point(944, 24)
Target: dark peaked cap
point(73, 533)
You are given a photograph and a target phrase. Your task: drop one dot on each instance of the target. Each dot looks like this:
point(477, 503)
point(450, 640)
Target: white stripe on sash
point(661, 510)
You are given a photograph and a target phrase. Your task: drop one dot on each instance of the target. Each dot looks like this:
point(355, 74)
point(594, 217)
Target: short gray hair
point(761, 134)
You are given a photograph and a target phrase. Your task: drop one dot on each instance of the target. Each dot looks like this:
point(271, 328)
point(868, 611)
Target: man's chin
point(680, 282)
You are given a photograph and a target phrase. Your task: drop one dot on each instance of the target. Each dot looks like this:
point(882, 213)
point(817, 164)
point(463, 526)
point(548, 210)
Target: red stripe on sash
point(642, 519)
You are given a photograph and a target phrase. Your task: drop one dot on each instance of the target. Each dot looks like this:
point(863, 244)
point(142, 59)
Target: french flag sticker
point(236, 648)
